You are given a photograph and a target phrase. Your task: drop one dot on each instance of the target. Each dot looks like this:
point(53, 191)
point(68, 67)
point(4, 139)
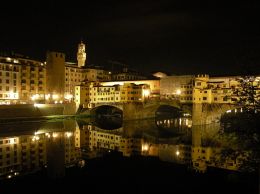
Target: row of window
point(7, 74)
point(7, 81)
point(215, 99)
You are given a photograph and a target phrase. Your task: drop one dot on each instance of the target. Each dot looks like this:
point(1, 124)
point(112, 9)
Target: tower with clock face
point(81, 55)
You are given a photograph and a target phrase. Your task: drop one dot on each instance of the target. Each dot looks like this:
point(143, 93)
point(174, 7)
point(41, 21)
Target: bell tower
point(81, 55)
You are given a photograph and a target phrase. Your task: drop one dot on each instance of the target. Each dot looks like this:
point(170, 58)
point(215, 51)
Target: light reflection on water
point(29, 147)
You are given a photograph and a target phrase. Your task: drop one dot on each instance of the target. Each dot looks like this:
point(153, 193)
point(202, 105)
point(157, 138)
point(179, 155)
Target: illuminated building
point(81, 55)
point(96, 73)
point(154, 85)
point(55, 69)
point(213, 90)
point(177, 87)
point(22, 80)
point(74, 75)
point(93, 93)
point(127, 74)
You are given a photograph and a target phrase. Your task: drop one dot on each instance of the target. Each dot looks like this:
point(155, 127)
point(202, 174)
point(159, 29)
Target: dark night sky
point(178, 37)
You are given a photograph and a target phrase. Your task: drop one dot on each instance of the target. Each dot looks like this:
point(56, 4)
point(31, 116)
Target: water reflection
point(48, 145)
point(61, 144)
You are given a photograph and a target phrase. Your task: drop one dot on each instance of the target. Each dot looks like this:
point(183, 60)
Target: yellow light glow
point(55, 96)
point(146, 93)
point(12, 140)
point(47, 135)
point(39, 105)
point(35, 97)
point(35, 138)
point(47, 96)
point(13, 95)
point(68, 96)
point(145, 147)
point(68, 134)
point(55, 135)
point(177, 153)
point(178, 92)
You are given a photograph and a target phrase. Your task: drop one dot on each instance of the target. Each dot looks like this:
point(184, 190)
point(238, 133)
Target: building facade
point(92, 93)
point(22, 80)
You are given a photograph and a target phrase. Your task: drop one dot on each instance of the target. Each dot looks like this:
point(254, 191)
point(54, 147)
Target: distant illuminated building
point(81, 54)
point(177, 87)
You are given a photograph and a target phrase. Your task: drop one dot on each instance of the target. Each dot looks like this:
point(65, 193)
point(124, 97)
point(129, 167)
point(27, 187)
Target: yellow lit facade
point(213, 90)
point(73, 76)
point(93, 93)
point(21, 80)
point(154, 85)
point(177, 88)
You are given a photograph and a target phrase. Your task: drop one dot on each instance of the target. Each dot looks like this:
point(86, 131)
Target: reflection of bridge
point(201, 113)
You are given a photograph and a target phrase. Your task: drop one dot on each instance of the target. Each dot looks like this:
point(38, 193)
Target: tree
point(248, 93)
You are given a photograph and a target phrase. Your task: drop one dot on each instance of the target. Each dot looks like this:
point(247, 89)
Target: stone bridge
point(139, 110)
point(201, 113)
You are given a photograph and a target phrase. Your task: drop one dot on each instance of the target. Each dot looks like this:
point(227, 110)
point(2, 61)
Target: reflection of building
point(29, 153)
point(175, 153)
point(10, 156)
point(22, 154)
point(95, 139)
point(203, 155)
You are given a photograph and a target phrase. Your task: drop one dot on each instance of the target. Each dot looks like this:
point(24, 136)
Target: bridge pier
point(134, 111)
point(204, 113)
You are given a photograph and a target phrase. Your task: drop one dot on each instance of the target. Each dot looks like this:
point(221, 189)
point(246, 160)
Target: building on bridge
point(177, 87)
point(154, 85)
point(214, 90)
point(92, 93)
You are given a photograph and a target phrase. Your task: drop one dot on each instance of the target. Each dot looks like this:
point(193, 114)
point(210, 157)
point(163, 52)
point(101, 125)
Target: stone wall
point(32, 111)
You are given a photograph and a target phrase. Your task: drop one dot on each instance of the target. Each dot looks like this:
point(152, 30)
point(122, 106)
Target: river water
point(162, 155)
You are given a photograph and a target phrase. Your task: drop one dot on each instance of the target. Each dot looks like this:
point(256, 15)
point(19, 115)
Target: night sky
point(172, 36)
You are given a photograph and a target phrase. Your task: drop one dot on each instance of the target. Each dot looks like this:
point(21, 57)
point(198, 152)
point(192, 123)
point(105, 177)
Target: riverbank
point(23, 112)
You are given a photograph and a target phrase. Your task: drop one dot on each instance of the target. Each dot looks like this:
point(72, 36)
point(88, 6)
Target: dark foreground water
point(149, 156)
point(114, 174)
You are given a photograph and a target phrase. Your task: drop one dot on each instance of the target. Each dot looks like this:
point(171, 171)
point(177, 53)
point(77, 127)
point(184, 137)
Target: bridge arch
point(106, 110)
